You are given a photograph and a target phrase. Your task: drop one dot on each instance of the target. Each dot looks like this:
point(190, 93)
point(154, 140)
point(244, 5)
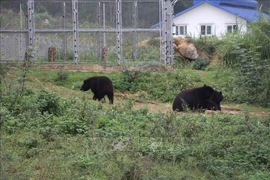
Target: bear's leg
point(94, 97)
point(179, 104)
point(218, 107)
point(208, 104)
point(110, 96)
point(100, 96)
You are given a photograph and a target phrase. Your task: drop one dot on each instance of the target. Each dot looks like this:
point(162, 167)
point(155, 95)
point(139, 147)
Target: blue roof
point(247, 13)
point(244, 3)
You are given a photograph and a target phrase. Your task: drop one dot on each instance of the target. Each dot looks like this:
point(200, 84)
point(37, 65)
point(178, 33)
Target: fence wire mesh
point(82, 29)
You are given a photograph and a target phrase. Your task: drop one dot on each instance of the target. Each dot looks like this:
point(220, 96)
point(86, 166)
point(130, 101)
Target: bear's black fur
point(217, 97)
point(198, 98)
point(192, 98)
point(100, 86)
point(213, 103)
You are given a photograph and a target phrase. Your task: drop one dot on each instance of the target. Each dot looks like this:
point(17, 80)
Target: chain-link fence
point(80, 30)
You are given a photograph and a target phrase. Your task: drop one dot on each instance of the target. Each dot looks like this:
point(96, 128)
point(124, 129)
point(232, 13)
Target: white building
point(215, 18)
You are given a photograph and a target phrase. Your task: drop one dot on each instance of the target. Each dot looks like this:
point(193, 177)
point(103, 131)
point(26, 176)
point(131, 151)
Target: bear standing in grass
point(204, 97)
point(100, 86)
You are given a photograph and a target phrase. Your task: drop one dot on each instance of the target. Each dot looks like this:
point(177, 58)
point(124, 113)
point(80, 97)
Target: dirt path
point(153, 106)
point(80, 67)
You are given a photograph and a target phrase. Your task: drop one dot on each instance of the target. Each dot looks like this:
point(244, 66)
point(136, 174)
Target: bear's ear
point(204, 85)
point(220, 92)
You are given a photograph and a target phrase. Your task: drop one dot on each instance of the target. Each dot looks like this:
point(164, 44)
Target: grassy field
point(51, 130)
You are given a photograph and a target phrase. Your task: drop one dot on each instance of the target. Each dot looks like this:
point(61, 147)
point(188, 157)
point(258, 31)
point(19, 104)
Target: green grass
point(53, 131)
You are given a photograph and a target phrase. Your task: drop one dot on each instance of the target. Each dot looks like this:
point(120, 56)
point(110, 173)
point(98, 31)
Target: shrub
point(49, 103)
point(200, 64)
point(248, 56)
point(62, 75)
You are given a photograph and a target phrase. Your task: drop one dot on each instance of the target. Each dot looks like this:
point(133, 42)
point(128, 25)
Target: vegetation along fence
point(81, 30)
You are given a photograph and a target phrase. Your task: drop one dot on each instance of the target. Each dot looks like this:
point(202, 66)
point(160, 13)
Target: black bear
point(204, 97)
point(100, 86)
point(213, 103)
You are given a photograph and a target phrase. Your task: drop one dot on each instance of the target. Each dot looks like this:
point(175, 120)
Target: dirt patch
point(80, 67)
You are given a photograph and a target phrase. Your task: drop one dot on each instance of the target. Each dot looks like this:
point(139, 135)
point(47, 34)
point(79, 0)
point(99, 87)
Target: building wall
point(207, 14)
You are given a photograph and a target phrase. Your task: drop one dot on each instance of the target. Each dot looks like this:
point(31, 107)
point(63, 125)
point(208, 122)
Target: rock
point(185, 48)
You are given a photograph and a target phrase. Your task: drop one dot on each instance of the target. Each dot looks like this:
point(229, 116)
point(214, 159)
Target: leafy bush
point(248, 56)
point(200, 64)
point(49, 103)
point(206, 44)
point(252, 80)
point(62, 75)
point(160, 86)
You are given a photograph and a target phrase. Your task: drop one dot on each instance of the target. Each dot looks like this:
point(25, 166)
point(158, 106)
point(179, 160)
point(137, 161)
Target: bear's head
point(206, 92)
point(86, 85)
point(217, 97)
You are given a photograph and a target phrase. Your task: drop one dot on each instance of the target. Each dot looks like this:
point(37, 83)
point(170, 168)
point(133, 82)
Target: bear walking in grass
point(204, 97)
point(100, 86)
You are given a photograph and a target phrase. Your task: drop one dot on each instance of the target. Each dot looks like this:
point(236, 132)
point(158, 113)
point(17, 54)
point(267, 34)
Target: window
point(206, 30)
point(180, 30)
point(232, 28)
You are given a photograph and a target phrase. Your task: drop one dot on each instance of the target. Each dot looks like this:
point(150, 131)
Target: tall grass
point(248, 55)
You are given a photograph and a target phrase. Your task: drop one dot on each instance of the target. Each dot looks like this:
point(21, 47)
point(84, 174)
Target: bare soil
point(81, 67)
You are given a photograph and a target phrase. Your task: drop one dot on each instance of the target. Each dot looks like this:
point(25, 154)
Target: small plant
point(62, 75)
point(200, 64)
point(49, 103)
point(154, 42)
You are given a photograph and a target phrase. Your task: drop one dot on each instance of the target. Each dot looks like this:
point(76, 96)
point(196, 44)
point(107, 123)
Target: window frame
point(234, 28)
point(206, 29)
point(178, 30)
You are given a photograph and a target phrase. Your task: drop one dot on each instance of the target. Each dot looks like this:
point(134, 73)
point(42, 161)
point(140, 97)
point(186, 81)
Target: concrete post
point(75, 31)
point(119, 30)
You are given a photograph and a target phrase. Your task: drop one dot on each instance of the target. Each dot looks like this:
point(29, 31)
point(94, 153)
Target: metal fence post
point(31, 27)
point(163, 31)
point(134, 24)
point(75, 31)
point(20, 35)
point(2, 47)
point(65, 34)
point(170, 50)
point(119, 30)
point(104, 24)
point(166, 34)
point(99, 33)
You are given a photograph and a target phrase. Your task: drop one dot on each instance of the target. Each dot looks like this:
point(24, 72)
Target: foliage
point(200, 64)
point(154, 42)
point(206, 44)
point(47, 136)
point(253, 77)
point(62, 75)
point(248, 56)
point(162, 86)
point(148, 53)
point(120, 142)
